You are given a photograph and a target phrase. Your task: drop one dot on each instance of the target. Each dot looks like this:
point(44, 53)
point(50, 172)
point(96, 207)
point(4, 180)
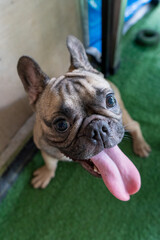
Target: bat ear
point(79, 58)
point(33, 78)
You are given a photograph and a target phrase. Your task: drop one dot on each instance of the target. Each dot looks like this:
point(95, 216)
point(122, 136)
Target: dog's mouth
point(119, 174)
point(90, 167)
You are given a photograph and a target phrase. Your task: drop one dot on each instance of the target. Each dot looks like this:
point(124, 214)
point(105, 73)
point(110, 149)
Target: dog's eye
point(110, 100)
point(61, 125)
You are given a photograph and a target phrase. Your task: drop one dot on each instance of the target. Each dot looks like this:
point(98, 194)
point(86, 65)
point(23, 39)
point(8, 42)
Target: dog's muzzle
point(98, 131)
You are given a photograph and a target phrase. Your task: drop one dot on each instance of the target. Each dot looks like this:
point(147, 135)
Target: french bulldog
point(80, 116)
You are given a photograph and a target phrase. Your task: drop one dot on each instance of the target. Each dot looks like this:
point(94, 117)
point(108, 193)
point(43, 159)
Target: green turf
point(77, 206)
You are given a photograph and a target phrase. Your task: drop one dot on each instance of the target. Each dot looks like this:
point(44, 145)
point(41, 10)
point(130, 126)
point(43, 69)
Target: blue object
point(133, 6)
point(95, 23)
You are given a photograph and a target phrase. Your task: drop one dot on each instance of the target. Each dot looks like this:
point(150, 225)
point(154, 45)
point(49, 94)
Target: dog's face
point(78, 112)
point(81, 115)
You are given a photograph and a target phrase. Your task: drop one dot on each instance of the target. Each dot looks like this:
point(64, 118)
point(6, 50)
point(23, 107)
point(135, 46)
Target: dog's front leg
point(140, 146)
point(43, 175)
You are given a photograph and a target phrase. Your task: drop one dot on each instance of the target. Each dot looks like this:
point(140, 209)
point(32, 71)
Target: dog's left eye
point(61, 125)
point(110, 100)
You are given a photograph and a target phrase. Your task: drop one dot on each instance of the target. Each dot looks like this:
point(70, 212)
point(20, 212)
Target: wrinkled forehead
point(94, 80)
point(79, 82)
point(70, 90)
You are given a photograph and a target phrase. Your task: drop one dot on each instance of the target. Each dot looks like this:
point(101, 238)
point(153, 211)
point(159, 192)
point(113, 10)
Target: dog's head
point(77, 112)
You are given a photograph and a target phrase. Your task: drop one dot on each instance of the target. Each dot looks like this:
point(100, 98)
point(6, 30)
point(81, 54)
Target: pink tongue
point(119, 174)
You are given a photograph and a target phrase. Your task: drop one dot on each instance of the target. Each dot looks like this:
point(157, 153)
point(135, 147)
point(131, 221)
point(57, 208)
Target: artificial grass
point(77, 206)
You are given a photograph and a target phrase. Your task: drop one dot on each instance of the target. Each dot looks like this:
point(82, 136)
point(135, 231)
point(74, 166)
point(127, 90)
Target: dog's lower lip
point(89, 166)
point(95, 169)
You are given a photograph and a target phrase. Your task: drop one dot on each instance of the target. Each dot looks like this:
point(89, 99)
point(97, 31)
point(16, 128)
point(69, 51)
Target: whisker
point(129, 137)
point(125, 138)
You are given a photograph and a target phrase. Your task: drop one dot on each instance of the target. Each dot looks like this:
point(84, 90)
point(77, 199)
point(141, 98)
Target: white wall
point(39, 29)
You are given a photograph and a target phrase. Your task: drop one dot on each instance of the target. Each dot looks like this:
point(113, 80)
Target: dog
point(80, 116)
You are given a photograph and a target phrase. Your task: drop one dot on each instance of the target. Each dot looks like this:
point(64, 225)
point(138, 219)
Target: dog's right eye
point(110, 100)
point(61, 125)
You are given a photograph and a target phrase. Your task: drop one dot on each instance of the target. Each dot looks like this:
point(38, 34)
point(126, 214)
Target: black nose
point(98, 130)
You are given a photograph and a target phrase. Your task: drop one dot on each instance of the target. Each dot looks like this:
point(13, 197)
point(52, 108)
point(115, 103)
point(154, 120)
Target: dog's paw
point(42, 177)
point(141, 148)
